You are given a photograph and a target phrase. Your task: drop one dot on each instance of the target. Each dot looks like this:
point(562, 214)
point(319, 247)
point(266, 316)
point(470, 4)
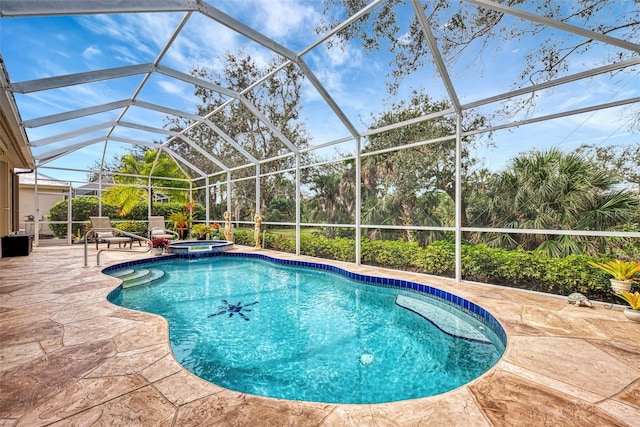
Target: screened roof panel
point(132, 61)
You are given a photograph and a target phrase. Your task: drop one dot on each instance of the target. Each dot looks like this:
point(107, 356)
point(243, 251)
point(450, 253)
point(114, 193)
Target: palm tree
point(554, 190)
point(130, 189)
point(326, 199)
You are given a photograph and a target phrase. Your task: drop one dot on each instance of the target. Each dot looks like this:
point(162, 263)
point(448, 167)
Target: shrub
point(243, 237)
point(81, 209)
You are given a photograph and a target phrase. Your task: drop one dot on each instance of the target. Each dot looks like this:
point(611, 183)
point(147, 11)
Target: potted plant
point(624, 273)
point(180, 223)
point(633, 299)
point(201, 231)
point(158, 245)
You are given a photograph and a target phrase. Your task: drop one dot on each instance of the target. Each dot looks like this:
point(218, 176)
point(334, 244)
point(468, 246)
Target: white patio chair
point(104, 233)
point(157, 229)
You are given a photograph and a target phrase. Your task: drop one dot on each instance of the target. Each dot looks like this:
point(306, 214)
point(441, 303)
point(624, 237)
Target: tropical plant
point(552, 190)
point(130, 189)
point(160, 243)
point(619, 269)
point(632, 298)
point(180, 220)
point(201, 230)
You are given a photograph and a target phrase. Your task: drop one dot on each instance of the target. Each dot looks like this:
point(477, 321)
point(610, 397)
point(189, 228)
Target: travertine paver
point(68, 357)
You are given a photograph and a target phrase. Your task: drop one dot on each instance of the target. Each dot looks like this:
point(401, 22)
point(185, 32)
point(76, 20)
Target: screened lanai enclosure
point(405, 133)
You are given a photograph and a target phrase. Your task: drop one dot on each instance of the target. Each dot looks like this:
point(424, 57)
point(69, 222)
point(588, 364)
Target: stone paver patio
point(69, 357)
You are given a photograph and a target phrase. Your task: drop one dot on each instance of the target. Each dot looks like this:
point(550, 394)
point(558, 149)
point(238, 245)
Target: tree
point(332, 200)
point(553, 190)
point(278, 99)
point(456, 29)
point(397, 182)
point(623, 162)
point(127, 193)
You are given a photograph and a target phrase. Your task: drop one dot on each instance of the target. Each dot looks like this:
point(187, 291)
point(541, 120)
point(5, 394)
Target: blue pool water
point(305, 334)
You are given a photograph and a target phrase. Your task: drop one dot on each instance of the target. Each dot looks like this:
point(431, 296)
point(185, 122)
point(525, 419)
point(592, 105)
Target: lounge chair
point(104, 233)
point(157, 229)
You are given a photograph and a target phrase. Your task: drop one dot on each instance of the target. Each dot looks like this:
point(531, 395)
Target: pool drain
point(366, 359)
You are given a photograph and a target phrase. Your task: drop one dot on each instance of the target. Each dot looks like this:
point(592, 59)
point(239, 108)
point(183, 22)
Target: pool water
point(305, 334)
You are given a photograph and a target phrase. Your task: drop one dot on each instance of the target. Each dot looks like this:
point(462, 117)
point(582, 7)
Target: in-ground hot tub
point(197, 248)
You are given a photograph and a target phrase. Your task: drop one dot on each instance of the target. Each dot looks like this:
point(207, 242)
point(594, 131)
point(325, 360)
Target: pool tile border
point(472, 309)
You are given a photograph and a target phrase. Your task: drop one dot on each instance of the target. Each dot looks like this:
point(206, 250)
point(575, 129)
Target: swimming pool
point(298, 333)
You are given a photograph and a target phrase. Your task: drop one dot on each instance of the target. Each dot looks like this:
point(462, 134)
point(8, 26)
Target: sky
point(40, 47)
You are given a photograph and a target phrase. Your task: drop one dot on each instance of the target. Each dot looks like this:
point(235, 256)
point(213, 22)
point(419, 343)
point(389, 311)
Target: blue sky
point(35, 48)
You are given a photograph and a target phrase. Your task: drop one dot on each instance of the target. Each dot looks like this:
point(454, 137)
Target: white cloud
point(282, 18)
point(144, 33)
point(201, 44)
point(91, 52)
point(171, 88)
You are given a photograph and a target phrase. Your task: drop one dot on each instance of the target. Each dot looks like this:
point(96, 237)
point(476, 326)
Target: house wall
point(47, 197)
point(6, 188)
point(14, 154)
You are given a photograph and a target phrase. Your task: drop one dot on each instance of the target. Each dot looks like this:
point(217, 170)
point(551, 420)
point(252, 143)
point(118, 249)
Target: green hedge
point(81, 209)
point(519, 269)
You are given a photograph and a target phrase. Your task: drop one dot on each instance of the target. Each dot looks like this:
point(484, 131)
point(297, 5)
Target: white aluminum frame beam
point(230, 140)
point(328, 99)
point(67, 149)
point(56, 82)
point(248, 32)
point(149, 129)
point(67, 135)
point(498, 7)
point(435, 53)
point(202, 151)
point(556, 82)
point(75, 114)
point(30, 8)
point(176, 156)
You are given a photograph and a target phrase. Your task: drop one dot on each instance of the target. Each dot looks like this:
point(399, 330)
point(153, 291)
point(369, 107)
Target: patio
point(69, 357)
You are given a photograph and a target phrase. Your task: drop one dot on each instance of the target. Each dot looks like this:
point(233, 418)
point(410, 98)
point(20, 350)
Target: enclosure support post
point(149, 198)
point(36, 220)
point(358, 218)
point(69, 217)
point(229, 192)
point(258, 188)
point(190, 200)
point(100, 192)
point(298, 204)
point(458, 202)
point(206, 185)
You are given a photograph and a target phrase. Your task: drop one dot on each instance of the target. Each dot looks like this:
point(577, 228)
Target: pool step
point(142, 276)
point(448, 323)
point(152, 275)
point(135, 274)
point(123, 272)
